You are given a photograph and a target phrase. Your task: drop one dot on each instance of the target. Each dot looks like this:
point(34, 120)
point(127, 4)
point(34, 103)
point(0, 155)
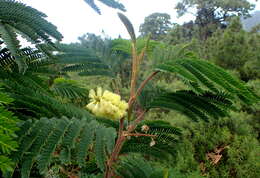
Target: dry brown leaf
point(215, 156)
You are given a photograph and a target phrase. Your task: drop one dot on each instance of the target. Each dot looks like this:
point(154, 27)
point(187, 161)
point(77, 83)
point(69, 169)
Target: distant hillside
point(252, 21)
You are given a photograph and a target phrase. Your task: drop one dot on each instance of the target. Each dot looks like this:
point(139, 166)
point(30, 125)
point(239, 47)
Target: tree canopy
point(157, 24)
point(211, 14)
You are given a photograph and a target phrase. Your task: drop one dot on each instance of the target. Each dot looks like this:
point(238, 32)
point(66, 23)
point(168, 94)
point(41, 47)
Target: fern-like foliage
point(69, 89)
point(8, 126)
point(109, 58)
point(75, 58)
point(110, 3)
point(203, 76)
point(62, 140)
point(33, 98)
point(165, 136)
point(123, 46)
point(213, 90)
point(35, 60)
point(133, 166)
point(202, 106)
point(17, 18)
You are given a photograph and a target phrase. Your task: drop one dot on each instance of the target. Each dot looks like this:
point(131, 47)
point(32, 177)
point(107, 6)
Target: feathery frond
point(8, 127)
point(35, 60)
point(195, 106)
point(132, 166)
point(17, 18)
point(49, 138)
point(208, 77)
point(165, 136)
point(10, 39)
point(68, 89)
point(82, 60)
point(37, 100)
point(110, 3)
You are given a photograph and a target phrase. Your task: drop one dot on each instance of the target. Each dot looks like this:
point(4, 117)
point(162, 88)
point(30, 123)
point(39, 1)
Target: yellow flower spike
point(99, 92)
point(123, 105)
point(91, 94)
point(106, 104)
point(90, 106)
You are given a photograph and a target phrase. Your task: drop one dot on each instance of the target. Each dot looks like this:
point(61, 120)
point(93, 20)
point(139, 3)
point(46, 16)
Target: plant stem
point(139, 90)
point(133, 94)
point(122, 137)
point(114, 155)
point(132, 126)
point(119, 143)
point(134, 69)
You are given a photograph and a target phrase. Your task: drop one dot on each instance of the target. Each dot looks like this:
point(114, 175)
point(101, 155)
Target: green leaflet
point(37, 100)
point(84, 67)
point(28, 139)
point(134, 167)
point(17, 18)
point(110, 138)
point(100, 148)
point(45, 139)
point(68, 89)
point(84, 61)
point(10, 38)
point(110, 3)
point(105, 140)
point(166, 139)
point(204, 76)
point(203, 106)
point(11, 10)
point(8, 127)
point(72, 133)
point(87, 137)
point(35, 149)
point(53, 140)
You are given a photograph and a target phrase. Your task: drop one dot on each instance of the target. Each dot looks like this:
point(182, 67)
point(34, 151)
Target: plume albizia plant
point(116, 109)
point(106, 104)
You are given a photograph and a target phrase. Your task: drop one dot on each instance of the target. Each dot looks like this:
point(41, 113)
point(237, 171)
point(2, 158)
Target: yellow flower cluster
point(106, 104)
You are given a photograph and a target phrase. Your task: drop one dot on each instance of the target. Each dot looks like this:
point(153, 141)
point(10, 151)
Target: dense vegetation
point(192, 95)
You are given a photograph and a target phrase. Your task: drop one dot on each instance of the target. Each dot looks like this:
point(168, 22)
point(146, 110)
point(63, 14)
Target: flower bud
point(145, 128)
point(152, 143)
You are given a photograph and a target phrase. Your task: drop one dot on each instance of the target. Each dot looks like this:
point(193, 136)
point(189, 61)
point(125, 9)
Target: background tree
point(157, 24)
point(212, 14)
point(235, 49)
point(181, 33)
point(90, 40)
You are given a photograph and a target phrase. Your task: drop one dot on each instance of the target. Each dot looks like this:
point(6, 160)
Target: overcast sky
point(75, 18)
